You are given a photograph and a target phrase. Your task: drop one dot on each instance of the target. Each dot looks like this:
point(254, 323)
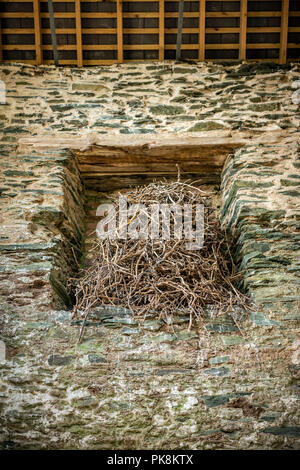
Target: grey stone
point(2, 351)
point(57, 360)
point(185, 70)
point(287, 431)
point(152, 325)
point(130, 331)
point(217, 371)
point(262, 107)
point(270, 417)
point(233, 340)
point(219, 359)
point(166, 110)
point(215, 400)
point(98, 88)
point(261, 320)
point(172, 371)
point(219, 328)
point(115, 321)
point(206, 126)
point(161, 338)
point(96, 359)
point(186, 335)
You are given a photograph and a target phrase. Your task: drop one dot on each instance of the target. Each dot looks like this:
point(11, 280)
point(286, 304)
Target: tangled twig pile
point(162, 276)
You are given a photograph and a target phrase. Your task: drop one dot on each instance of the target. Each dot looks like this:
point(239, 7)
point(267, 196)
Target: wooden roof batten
point(133, 30)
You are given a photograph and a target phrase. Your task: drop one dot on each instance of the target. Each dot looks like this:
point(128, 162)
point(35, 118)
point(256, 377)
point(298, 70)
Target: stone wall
point(42, 227)
point(147, 385)
point(260, 192)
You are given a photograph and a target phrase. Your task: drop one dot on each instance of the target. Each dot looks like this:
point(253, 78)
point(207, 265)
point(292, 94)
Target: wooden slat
point(263, 14)
point(222, 46)
point(243, 30)
point(265, 45)
point(186, 14)
point(5, 14)
point(98, 30)
point(120, 30)
point(140, 47)
point(146, 30)
point(158, 42)
point(222, 30)
point(29, 14)
point(98, 1)
point(18, 30)
point(141, 30)
point(37, 31)
point(284, 31)
point(188, 47)
point(184, 30)
point(17, 47)
point(263, 29)
point(99, 15)
point(202, 30)
point(221, 14)
point(107, 47)
point(148, 14)
point(161, 51)
point(59, 31)
point(78, 33)
point(229, 14)
point(100, 47)
point(110, 62)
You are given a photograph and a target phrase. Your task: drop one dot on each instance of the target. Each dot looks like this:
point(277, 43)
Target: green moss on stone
point(206, 126)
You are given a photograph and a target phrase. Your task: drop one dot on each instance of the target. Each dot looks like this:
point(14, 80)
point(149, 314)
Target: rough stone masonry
point(148, 386)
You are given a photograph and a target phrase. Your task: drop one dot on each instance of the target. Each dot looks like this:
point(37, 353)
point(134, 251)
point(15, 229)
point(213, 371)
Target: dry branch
point(162, 276)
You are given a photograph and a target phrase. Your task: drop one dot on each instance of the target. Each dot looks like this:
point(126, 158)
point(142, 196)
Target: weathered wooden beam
point(284, 31)
point(120, 30)
point(111, 183)
point(179, 29)
point(108, 167)
point(202, 8)
point(78, 32)
point(37, 32)
point(243, 30)
point(161, 53)
point(53, 33)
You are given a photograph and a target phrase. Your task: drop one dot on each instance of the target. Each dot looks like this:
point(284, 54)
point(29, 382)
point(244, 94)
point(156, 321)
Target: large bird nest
point(162, 277)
